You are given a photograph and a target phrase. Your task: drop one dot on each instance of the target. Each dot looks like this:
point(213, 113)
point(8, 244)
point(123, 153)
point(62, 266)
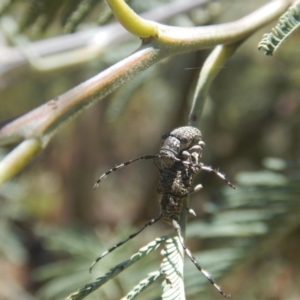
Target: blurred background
point(53, 224)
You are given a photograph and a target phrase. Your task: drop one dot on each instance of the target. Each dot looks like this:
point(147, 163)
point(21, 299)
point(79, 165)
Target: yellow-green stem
point(17, 159)
point(131, 21)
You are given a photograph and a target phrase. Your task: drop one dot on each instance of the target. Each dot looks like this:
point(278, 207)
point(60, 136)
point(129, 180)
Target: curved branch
point(185, 39)
point(131, 21)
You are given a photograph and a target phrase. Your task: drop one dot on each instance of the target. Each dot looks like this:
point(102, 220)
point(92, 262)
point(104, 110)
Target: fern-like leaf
point(91, 287)
point(172, 268)
point(143, 284)
point(288, 23)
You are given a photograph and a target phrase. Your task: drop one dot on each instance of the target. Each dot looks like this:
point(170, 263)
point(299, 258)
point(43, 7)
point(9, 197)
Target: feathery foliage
point(143, 284)
point(172, 269)
point(91, 287)
point(288, 23)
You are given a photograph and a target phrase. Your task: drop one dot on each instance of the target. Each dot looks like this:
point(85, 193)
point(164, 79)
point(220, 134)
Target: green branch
point(18, 158)
point(131, 21)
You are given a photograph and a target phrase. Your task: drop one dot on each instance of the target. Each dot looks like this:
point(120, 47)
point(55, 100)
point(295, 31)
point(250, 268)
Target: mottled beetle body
point(178, 162)
point(175, 143)
point(175, 183)
point(171, 208)
point(177, 180)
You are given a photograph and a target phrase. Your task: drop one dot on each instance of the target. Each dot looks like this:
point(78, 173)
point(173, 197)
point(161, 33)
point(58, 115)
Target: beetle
point(178, 162)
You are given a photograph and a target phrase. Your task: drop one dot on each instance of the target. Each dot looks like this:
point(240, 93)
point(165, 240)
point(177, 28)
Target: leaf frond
point(172, 268)
point(91, 287)
point(288, 23)
point(142, 285)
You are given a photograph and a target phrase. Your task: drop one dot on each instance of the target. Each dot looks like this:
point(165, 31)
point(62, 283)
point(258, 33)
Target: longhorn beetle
point(178, 162)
